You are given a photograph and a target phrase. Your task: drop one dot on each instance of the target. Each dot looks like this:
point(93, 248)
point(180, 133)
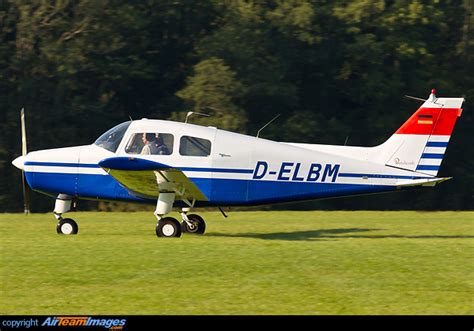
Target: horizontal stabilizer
point(423, 182)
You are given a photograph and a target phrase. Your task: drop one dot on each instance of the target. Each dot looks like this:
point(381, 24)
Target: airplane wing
point(145, 178)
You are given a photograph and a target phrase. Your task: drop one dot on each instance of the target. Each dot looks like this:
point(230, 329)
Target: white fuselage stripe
point(65, 170)
point(430, 162)
point(439, 138)
point(435, 150)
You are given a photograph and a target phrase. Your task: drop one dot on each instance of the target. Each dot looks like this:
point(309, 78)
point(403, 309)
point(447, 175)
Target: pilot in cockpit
point(154, 145)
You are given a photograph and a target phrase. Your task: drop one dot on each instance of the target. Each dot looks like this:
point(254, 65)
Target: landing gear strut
point(166, 226)
point(65, 225)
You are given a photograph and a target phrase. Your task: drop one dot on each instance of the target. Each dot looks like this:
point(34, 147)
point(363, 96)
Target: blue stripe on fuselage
point(62, 164)
point(436, 144)
point(356, 175)
point(432, 156)
point(427, 167)
point(223, 191)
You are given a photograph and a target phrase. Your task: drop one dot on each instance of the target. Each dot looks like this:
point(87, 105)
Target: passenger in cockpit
point(154, 145)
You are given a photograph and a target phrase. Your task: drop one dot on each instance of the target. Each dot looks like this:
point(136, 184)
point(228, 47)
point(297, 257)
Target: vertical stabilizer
point(420, 143)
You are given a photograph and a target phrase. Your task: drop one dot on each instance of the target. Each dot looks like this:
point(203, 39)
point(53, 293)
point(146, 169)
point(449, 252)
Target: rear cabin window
point(193, 146)
point(150, 143)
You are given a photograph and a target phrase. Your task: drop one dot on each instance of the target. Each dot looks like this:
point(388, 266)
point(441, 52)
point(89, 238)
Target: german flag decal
point(425, 121)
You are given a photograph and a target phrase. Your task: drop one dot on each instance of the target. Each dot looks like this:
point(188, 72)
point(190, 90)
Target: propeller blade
point(24, 151)
point(23, 133)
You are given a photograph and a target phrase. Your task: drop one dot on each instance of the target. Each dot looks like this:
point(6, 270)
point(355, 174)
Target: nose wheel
point(67, 226)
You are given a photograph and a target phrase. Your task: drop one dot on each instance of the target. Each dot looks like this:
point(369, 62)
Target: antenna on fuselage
point(414, 98)
point(130, 117)
point(263, 127)
point(192, 113)
point(345, 142)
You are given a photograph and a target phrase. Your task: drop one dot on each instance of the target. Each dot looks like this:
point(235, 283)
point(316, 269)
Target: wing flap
point(145, 178)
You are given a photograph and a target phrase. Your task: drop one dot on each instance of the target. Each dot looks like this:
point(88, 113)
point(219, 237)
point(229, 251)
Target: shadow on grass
point(298, 235)
point(330, 234)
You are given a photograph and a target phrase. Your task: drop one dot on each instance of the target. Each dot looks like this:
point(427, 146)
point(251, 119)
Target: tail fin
point(420, 143)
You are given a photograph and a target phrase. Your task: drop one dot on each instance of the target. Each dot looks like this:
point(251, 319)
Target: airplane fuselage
point(239, 170)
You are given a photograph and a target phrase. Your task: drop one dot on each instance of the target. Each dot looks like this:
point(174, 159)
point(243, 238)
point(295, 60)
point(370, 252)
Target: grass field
point(251, 263)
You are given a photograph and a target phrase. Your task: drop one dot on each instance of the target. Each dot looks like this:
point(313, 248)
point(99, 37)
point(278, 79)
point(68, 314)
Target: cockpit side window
point(150, 143)
point(112, 138)
point(193, 146)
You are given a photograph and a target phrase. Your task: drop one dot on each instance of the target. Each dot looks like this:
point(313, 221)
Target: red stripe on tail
point(431, 121)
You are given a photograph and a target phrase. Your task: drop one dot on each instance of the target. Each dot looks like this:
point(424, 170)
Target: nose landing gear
point(65, 225)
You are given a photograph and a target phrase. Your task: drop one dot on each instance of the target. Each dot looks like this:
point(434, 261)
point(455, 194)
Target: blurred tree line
point(336, 71)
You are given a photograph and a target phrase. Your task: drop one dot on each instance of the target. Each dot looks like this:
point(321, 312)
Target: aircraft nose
point(19, 162)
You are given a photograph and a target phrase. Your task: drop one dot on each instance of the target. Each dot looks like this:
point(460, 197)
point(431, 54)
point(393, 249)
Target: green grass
point(251, 263)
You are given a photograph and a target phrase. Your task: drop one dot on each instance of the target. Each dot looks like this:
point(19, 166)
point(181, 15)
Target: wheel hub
point(168, 230)
point(66, 228)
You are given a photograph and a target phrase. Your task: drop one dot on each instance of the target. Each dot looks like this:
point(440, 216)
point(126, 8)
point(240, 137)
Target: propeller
point(26, 188)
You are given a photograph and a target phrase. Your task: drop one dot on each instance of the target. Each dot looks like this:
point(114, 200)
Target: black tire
point(199, 226)
point(168, 227)
point(67, 226)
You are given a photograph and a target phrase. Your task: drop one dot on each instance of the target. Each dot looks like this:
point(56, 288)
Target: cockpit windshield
point(112, 138)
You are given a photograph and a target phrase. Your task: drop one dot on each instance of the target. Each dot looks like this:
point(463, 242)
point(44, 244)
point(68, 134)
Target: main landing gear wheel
point(67, 226)
point(198, 225)
point(168, 227)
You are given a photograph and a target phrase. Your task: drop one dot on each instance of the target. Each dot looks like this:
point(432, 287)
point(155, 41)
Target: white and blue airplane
point(174, 164)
